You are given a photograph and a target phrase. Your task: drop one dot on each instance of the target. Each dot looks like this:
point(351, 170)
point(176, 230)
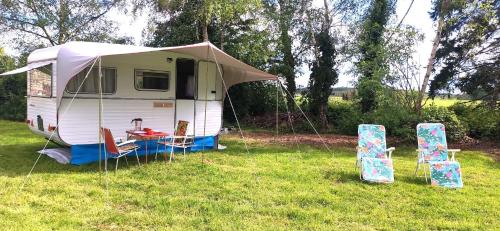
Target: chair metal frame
point(113, 147)
point(178, 140)
point(421, 160)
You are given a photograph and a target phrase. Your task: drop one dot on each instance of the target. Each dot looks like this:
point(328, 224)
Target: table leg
point(146, 150)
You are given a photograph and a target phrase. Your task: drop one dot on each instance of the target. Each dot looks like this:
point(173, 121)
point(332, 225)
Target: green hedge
point(480, 121)
point(400, 122)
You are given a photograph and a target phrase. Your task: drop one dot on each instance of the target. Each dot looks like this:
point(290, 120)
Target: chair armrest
point(390, 150)
point(177, 137)
point(453, 151)
point(118, 139)
point(126, 142)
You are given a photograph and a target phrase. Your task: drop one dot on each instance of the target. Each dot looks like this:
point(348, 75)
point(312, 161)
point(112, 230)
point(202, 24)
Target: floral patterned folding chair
point(433, 149)
point(373, 158)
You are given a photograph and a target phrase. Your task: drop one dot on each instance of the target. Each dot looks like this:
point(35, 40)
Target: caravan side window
point(91, 84)
point(148, 80)
point(40, 81)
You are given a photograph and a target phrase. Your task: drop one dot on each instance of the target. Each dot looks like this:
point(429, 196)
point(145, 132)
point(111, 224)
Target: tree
point(12, 90)
point(371, 66)
point(438, 15)
point(245, 37)
point(198, 16)
point(288, 16)
point(402, 80)
point(56, 22)
point(323, 76)
point(323, 73)
point(6, 63)
point(179, 28)
point(468, 56)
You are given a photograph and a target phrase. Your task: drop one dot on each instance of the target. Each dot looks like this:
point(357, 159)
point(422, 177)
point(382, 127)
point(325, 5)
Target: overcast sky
point(417, 17)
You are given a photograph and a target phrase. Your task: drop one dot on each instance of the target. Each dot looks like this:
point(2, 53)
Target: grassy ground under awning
point(273, 188)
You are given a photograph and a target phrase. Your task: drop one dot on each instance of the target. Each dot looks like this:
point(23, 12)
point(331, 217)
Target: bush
point(398, 121)
point(345, 117)
point(12, 100)
point(455, 130)
point(481, 122)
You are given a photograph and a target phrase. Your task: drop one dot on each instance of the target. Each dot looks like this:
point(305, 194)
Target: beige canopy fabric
point(30, 66)
point(73, 57)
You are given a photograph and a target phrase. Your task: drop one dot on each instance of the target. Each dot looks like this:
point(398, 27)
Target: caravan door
point(209, 104)
point(185, 93)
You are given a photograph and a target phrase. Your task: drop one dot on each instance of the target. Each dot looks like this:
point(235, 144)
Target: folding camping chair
point(179, 140)
point(117, 150)
point(373, 162)
point(433, 149)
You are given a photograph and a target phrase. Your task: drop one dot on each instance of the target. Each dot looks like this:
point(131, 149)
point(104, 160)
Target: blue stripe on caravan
point(88, 153)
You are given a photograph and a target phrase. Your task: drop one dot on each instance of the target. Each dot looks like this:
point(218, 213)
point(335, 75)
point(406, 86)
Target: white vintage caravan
point(159, 85)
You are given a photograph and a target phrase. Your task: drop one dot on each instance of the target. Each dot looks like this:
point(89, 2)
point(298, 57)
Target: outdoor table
point(142, 135)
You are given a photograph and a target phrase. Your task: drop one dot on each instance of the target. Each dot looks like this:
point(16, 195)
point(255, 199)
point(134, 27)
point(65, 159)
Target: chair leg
point(416, 170)
point(137, 156)
point(165, 153)
point(425, 174)
point(171, 154)
point(126, 159)
point(157, 148)
point(116, 166)
point(360, 170)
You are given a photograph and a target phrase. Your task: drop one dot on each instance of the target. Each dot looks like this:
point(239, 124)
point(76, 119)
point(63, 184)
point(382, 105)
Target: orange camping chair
point(117, 150)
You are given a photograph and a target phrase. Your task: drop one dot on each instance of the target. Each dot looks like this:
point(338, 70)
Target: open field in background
point(443, 102)
point(274, 187)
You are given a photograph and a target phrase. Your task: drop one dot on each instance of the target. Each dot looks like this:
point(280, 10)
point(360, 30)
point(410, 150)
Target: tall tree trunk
point(204, 28)
point(322, 116)
point(63, 18)
point(323, 110)
point(222, 37)
point(327, 16)
point(288, 66)
point(432, 58)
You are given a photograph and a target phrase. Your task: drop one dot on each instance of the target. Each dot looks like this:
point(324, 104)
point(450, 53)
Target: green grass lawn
point(273, 188)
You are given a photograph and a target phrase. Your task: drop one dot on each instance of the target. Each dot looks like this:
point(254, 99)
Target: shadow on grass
point(341, 177)
point(412, 179)
point(17, 160)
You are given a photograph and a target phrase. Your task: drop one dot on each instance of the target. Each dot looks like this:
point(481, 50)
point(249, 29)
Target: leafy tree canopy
point(47, 22)
point(469, 53)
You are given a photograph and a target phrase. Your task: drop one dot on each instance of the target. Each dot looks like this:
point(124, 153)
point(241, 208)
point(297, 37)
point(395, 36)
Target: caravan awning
point(30, 66)
point(73, 57)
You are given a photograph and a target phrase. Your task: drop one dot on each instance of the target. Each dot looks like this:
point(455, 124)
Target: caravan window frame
point(28, 91)
point(115, 77)
point(168, 73)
